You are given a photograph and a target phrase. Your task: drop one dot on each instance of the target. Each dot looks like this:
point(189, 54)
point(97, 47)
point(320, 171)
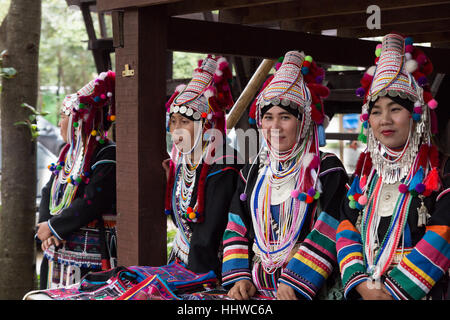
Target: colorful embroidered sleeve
point(424, 266)
point(236, 263)
point(350, 256)
point(315, 259)
point(350, 250)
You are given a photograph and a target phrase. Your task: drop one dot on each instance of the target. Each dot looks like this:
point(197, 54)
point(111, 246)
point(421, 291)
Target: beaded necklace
point(66, 182)
point(378, 256)
point(275, 240)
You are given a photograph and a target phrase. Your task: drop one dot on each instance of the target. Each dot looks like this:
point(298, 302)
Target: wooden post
point(249, 92)
point(141, 141)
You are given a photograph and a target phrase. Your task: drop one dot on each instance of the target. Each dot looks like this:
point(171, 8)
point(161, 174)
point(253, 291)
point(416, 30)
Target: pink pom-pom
point(365, 117)
point(362, 200)
point(379, 46)
point(295, 194)
point(403, 188)
point(432, 104)
point(103, 96)
point(409, 48)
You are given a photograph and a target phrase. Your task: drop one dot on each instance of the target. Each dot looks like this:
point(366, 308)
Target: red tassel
point(360, 163)
point(201, 193)
point(432, 182)
point(423, 155)
point(434, 156)
point(169, 186)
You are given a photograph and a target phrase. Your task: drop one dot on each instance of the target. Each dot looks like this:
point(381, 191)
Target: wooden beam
point(314, 9)
point(141, 143)
point(191, 6)
point(405, 28)
point(388, 18)
point(108, 5)
point(271, 43)
point(434, 37)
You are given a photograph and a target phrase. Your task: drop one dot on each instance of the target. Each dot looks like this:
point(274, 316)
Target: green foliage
point(6, 72)
point(31, 121)
point(184, 64)
point(170, 237)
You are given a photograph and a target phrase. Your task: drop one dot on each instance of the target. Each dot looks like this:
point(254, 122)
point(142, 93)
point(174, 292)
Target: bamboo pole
point(249, 92)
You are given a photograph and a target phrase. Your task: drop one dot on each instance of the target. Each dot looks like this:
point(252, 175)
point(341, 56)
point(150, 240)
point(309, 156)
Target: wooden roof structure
point(146, 31)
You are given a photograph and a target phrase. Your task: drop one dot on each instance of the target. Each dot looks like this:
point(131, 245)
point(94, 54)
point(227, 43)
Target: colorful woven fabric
point(178, 277)
point(235, 265)
point(152, 288)
point(136, 283)
point(419, 271)
point(350, 256)
point(314, 261)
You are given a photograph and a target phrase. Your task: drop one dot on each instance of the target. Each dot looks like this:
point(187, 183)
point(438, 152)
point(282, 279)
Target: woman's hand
point(49, 242)
point(242, 290)
point(285, 292)
point(373, 291)
point(43, 232)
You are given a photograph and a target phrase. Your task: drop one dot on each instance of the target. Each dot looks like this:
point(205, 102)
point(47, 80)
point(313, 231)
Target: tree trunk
point(17, 218)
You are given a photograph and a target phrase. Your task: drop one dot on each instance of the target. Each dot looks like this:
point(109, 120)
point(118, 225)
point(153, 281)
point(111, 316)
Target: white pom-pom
point(411, 65)
point(220, 60)
point(219, 73)
point(102, 75)
point(371, 70)
point(209, 93)
point(408, 56)
point(109, 94)
point(307, 159)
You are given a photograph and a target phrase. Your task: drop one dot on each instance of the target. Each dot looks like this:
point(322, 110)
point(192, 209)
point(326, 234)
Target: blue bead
point(416, 116)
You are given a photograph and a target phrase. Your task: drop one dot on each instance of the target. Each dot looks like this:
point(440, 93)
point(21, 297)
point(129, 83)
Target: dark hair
point(405, 103)
point(294, 112)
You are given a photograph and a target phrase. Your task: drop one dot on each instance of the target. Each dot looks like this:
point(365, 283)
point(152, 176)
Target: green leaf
point(8, 72)
point(24, 123)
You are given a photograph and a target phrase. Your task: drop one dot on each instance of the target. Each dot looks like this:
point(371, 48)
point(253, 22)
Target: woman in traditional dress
point(202, 171)
point(78, 207)
point(280, 237)
point(393, 238)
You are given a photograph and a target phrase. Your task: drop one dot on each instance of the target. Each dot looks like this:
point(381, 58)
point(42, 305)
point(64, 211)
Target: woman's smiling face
point(390, 122)
point(280, 128)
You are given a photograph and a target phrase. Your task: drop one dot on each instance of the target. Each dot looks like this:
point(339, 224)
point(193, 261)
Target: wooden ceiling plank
point(319, 8)
point(388, 17)
point(108, 5)
point(192, 6)
point(410, 28)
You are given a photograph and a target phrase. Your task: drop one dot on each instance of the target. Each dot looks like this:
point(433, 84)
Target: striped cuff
point(54, 231)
